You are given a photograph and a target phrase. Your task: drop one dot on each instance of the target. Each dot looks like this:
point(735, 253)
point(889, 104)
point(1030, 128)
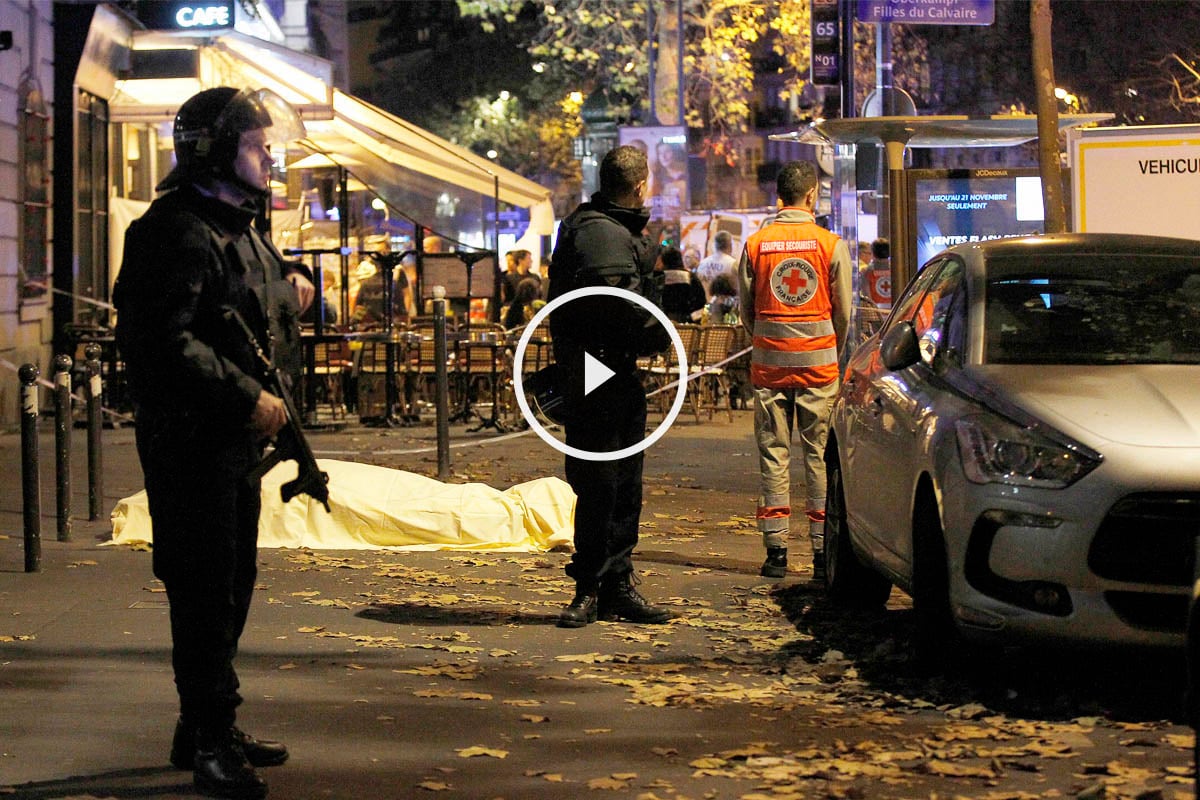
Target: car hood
point(1144, 405)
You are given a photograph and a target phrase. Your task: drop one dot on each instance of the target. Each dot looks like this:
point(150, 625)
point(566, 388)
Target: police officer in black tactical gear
point(602, 243)
point(202, 412)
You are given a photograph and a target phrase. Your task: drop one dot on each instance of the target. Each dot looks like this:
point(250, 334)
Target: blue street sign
point(927, 12)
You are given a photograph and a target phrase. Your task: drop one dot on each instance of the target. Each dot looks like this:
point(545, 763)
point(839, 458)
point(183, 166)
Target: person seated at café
point(369, 301)
point(723, 309)
point(526, 301)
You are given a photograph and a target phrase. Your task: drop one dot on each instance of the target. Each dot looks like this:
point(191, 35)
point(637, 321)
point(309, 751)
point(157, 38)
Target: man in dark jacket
point(202, 412)
point(602, 243)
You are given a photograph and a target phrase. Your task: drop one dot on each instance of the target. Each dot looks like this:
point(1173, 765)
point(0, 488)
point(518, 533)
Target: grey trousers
point(778, 413)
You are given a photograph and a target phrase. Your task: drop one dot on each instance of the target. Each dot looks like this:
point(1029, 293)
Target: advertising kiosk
point(904, 215)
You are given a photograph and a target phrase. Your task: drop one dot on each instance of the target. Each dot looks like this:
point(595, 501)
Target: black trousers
point(204, 515)
point(608, 494)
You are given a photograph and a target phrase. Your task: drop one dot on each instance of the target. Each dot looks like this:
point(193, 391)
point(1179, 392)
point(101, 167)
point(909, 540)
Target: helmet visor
point(252, 109)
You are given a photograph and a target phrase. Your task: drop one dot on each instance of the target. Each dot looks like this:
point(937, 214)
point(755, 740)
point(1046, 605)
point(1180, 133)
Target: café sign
point(184, 16)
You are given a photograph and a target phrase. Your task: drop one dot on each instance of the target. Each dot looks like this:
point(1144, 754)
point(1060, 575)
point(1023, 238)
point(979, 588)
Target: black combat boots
point(619, 600)
point(581, 610)
point(776, 564)
point(258, 752)
point(220, 768)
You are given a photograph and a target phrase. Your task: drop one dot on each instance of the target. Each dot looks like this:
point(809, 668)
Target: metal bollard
point(62, 443)
point(31, 492)
point(95, 426)
point(442, 382)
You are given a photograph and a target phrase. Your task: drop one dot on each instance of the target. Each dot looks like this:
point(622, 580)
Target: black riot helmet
point(210, 123)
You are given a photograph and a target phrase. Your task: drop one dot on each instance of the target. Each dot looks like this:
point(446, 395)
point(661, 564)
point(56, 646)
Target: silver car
point(1018, 447)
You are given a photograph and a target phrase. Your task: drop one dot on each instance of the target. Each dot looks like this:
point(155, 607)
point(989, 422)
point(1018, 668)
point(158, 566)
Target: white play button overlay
point(594, 373)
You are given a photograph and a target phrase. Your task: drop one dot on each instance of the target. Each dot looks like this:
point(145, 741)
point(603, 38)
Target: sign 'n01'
point(826, 61)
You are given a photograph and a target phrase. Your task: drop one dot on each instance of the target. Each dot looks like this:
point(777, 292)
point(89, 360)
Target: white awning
point(379, 149)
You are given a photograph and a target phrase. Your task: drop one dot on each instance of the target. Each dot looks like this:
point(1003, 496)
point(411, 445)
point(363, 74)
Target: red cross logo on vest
point(794, 281)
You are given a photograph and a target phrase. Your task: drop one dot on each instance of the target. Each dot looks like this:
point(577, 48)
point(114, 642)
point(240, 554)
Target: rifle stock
point(289, 444)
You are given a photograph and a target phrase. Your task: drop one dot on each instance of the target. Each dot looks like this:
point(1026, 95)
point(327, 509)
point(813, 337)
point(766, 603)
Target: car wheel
point(847, 580)
point(936, 637)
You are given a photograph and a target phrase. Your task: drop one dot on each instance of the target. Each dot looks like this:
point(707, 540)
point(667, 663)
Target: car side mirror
point(899, 348)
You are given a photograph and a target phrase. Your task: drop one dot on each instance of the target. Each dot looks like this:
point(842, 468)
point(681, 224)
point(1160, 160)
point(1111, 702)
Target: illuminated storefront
point(361, 177)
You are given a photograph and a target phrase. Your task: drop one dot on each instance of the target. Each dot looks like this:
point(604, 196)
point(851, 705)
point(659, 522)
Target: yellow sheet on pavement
point(377, 507)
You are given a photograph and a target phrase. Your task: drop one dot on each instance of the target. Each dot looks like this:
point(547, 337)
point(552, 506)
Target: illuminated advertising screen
point(949, 207)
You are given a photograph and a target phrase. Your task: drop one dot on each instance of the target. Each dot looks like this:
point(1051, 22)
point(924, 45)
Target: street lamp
point(1068, 99)
point(379, 204)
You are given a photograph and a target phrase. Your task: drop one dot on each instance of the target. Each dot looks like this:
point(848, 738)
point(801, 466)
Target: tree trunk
point(1047, 117)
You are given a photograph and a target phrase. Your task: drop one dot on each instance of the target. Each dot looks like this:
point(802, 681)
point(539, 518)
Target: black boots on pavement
point(581, 610)
point(776, 564)
point(617, 599)
point(223, 764)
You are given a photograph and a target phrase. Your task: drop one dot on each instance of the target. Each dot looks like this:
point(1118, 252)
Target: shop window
point(91, 208)
point(34, 157)
point(752, 159)
point(133, 161)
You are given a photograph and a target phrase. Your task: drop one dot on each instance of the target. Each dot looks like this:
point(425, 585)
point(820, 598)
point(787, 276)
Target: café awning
point(383, 151)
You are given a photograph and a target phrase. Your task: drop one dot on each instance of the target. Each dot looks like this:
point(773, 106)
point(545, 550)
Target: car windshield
point(1092, 309)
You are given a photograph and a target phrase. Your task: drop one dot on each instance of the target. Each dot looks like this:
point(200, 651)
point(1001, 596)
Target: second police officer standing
point(603, 244)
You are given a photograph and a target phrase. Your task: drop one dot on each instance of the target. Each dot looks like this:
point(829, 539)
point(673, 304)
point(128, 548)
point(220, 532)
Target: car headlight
point(994, 450)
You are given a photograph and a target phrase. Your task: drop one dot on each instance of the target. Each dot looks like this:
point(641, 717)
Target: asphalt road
point(433, 674)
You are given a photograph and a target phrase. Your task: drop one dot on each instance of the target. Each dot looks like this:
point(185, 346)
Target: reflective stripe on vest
point(794, 358)
point(792, 330)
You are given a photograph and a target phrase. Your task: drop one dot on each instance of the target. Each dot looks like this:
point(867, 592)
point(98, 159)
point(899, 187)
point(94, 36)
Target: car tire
point(847, 580)
point(936, 639)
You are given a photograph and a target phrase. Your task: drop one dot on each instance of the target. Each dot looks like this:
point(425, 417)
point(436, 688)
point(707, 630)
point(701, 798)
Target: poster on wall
point(666, 151)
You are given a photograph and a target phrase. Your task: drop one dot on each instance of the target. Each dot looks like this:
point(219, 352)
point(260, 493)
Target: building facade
point(88, 94)
point(26, 164)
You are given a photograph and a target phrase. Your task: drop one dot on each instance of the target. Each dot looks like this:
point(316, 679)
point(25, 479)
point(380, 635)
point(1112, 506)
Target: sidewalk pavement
point(438, 674)
point(378, 669)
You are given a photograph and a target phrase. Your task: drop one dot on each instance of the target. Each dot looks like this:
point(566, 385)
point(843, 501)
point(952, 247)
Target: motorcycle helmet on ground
point(209, 126)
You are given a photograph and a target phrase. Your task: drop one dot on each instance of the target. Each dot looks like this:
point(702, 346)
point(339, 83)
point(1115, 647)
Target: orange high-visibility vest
point(794, 342)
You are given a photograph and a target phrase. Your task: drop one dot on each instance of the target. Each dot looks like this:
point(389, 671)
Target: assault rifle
point(289, 443)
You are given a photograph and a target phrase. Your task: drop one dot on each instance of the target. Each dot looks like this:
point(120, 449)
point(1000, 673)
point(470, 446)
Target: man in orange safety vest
point(796, 293)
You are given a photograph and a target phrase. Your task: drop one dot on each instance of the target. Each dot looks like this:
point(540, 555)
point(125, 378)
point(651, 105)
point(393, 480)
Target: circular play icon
point(596, 373)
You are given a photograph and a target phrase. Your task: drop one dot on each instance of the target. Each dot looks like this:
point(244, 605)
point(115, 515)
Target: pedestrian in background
point(192, 261)
point(682, 294)
point(603, 243)
point(520, 269)
point(795, 284)
point(875, 280)
point(720, 262)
